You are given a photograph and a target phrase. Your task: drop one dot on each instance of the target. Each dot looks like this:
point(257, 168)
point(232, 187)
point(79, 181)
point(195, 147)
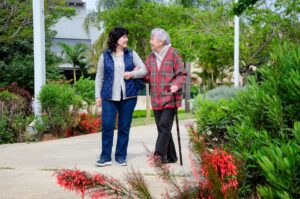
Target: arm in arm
point(137, 61)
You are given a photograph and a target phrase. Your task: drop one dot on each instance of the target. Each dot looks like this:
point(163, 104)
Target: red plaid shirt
point(171, 72)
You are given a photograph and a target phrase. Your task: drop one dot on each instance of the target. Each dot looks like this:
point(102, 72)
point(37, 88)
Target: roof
point(75, 2)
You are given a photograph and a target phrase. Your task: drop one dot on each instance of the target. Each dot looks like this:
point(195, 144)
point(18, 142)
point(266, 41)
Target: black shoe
point(172, 161)
point(166, 160)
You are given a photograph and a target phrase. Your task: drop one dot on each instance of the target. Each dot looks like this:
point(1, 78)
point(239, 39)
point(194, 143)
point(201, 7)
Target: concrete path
point(26, 170)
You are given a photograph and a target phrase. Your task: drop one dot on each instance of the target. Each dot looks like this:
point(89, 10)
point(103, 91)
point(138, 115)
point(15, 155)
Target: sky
point(90, 4)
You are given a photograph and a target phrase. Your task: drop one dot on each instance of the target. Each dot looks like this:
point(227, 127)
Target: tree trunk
point(74, 74)
point(188, 87)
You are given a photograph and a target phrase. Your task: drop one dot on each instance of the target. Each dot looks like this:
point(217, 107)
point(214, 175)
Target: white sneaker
point(122, 163)
point(103, 163)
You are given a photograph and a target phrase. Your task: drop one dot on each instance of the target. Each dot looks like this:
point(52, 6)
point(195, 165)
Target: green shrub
point(255, 126)
point(268, 106)
point(244, 140)
point(6, 135)
point(15, 89)
point(280, 165)
point(13, 118)
point(213, 119)
point(272, 102)
point(85, 87)
point(222, 92)
point(60, 104)
point(195, 90)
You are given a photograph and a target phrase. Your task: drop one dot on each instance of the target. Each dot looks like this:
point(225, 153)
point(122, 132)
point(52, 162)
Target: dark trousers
point(164, 146)
point(125, 109)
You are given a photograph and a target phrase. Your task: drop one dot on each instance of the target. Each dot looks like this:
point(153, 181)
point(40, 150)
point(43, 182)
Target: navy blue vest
point(107, 86)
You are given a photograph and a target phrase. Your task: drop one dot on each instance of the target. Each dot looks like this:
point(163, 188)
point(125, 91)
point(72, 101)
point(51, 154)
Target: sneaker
point(122, 162)
point(102, 163)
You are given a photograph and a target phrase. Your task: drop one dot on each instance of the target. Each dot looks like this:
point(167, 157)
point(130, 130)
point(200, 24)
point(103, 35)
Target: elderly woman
point(166, 75)
point(116, 90)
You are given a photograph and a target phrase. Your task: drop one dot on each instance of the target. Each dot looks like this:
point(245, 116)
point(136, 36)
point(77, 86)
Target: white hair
point(161, 35)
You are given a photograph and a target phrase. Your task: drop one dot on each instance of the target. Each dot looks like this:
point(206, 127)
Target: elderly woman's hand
point(128, 75)
point(174, 89)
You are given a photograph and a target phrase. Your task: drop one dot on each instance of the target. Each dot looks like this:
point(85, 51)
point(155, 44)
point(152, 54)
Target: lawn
point(139, 117)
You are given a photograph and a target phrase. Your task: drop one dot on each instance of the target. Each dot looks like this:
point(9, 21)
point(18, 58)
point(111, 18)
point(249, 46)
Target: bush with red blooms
point(89, 123)
point(216, 167)
point(214, 171)
point(220, 172)
point(97, 186)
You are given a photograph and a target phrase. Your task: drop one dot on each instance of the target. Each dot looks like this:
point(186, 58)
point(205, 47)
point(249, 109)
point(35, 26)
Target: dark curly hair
point(114, 35)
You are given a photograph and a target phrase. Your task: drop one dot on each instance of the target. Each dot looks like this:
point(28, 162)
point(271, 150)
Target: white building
point(71, 31)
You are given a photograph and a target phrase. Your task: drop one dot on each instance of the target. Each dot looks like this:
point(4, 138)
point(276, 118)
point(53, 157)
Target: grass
point(140, 121)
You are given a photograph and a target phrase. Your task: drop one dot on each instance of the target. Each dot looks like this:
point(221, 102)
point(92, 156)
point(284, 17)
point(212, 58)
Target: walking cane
point(178, 134)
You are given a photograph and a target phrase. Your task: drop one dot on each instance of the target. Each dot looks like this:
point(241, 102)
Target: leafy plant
point(195, 90)
point(281, 161)
point(13, 117)
point(61, 105)
point(14, 88)
point(85, 87)
point(74, 55)
point(214, 95)
point(255, 125)
point(6, 135)
point(213, 119)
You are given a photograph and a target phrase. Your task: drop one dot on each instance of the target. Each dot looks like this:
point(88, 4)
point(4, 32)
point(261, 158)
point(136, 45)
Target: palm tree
point(95, 51)
point(74, 55)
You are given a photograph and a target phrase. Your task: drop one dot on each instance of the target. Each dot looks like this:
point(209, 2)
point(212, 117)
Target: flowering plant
point(214, 171)
point(216, 167)
point(97, 186)
point(102, 186)
point(89, 123)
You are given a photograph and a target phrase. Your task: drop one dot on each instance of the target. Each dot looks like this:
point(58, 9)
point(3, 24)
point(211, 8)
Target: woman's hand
point(173, 89)
point(98, 102)
point(128, 75)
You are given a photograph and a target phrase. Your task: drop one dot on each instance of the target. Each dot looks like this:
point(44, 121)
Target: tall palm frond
point(74, 55)
point(91, 20)
point(95, 51)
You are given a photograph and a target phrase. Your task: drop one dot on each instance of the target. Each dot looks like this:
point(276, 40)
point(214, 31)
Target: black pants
point(164, 144)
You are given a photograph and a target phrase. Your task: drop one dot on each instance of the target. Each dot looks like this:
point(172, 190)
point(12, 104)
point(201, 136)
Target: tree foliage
point(16, 19)
point(16, 40)
point(202, 30)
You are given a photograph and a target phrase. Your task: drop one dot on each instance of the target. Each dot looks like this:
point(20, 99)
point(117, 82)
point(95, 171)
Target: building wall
point(71, 31)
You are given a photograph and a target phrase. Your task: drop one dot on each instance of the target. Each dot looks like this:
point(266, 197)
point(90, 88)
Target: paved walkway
point(26, 169)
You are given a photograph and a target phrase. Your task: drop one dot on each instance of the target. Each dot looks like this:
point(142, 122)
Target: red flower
point(223, 164)
point(89, 123)
point(98, 185)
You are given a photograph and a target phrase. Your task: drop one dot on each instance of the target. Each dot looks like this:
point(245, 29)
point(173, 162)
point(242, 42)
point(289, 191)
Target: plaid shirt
point(171, 72)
